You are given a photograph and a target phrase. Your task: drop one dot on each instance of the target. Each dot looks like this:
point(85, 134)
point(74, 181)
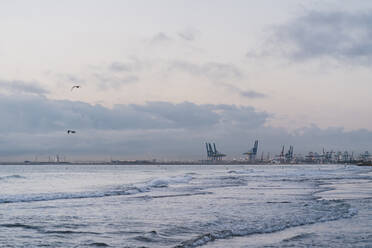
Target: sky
point(160, 78)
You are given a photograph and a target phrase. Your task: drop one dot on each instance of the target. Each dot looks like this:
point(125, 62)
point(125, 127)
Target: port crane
point(252, 152)
point(212, 153)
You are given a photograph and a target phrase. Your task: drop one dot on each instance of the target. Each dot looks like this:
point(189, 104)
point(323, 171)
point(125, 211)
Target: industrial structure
point(251, 154)
point(212, 153)
point(280, 157)
point(289, 155)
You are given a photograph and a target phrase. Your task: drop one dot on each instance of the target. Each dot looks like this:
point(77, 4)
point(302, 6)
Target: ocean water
point(185, 206)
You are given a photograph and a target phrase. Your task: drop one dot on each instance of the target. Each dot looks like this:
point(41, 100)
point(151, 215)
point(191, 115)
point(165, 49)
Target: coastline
point(176, 162)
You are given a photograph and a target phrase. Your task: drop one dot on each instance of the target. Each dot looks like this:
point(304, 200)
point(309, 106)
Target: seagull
point(70, 131)
point(75, 86)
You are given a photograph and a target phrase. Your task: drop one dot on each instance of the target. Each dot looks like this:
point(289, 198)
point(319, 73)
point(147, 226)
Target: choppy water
point(185, 206)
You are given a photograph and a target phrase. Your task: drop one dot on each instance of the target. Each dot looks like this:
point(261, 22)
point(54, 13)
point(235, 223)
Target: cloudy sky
point(159, 78)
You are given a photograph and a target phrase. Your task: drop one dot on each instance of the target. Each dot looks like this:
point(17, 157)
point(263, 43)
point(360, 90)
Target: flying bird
point(70, 131)
point(75, 86)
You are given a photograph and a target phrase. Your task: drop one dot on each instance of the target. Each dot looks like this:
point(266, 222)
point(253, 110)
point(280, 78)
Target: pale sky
point(277, 68)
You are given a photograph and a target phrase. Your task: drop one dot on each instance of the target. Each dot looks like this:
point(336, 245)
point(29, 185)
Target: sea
point(63, 205)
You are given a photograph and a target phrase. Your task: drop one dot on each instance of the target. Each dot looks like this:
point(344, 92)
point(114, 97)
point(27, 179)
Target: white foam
point(122, 190)
point(352, 212)
point(157, 183)
point(240, 172)
point(164, 182)
point(326, 211)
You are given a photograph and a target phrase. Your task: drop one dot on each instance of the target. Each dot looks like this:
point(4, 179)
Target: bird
point(75, 86)
point(70, 131)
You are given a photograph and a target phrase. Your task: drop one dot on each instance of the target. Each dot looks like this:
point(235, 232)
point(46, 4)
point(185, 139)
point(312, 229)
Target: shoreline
point(200, 162)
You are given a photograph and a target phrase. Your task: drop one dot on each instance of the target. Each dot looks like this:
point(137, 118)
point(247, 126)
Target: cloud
point(42, 115)
point(211, 70)
point(245, 93)
point(105, 76)
point(336, 138)
point(252, 94)
point(344, 36)
point(119, 67)
point(221, 74)
point(35, 125)
point(70, 78)
point(160, 38)
point(245, 117)
point(108, 80)
point(116, 74)
point(182, 115)
point(188, 34)
point(18, 86)
point(65, 80)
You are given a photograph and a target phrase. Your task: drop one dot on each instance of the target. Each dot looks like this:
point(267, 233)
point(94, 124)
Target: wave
point(149, 237)
point(175, 195)
point(12, 177)
point(329, 211)
point(164, 182)
point(152, 238)
point(98, 244)
point(299, 237)
point(69, 232)
point(117, 191)
point(20, 225)
point(240, 172)
point(192, 173)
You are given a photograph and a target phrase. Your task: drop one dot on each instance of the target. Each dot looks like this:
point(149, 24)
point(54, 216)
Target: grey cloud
point(65, 80)
point(113, 75)
point(188, 34)
point(108, 80)
point(212, 70)
point(160, 38)
point(117, 73)
point(252, 94)
point(245, 93)
point(130, 65)
point(243, 116)
point(34, 125)
point(118, 66)
point(343, 36)
point(39, 114)
point(305, 140)
point(335, 138)
point(18, 86)
point(180, 115)
point(70, 78)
